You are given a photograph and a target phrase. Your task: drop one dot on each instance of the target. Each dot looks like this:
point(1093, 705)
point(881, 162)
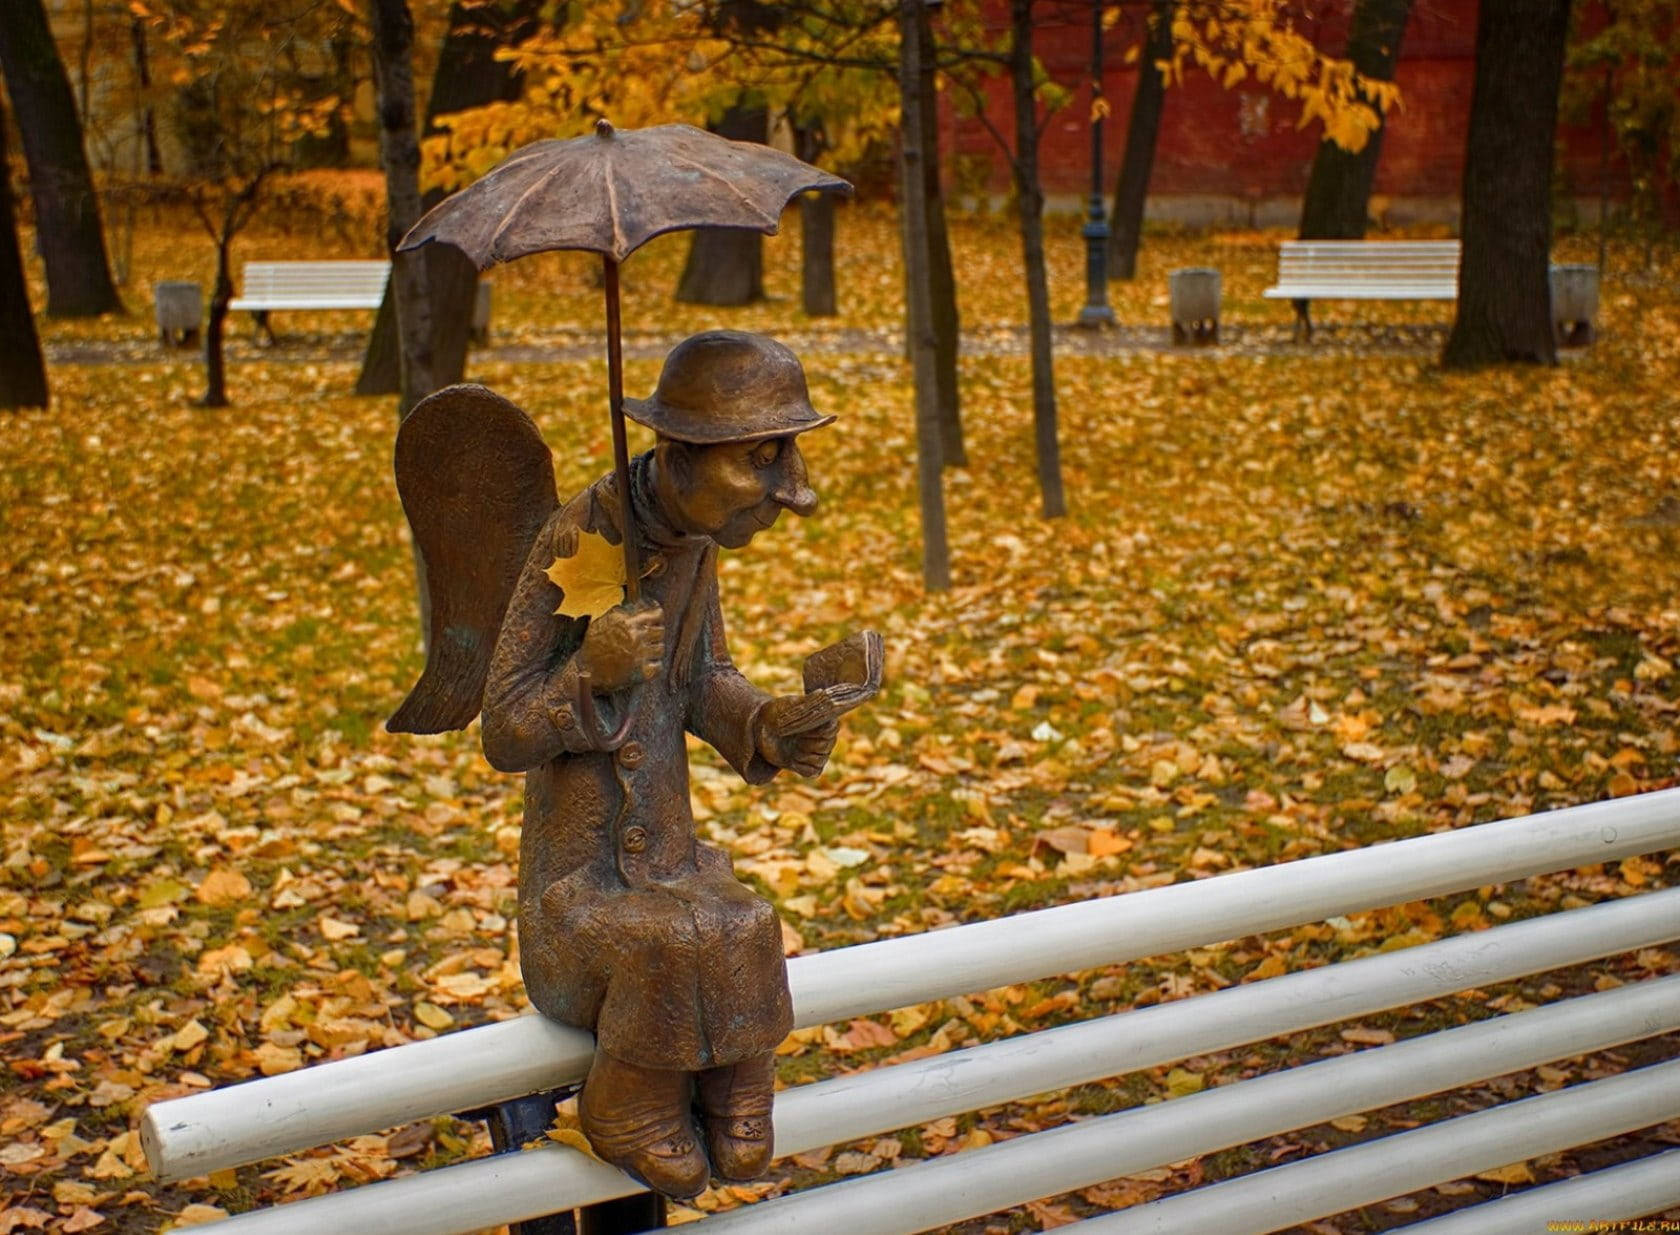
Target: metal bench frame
point(1311, 270)
point(501, 1063)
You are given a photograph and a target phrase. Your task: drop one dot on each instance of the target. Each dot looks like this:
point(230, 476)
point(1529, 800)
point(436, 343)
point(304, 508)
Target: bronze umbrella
point(610, 193)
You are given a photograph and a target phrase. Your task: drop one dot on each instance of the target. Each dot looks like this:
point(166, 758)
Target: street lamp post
point(1096, 311)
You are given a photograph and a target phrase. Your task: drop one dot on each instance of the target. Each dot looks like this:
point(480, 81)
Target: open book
point(838, 679)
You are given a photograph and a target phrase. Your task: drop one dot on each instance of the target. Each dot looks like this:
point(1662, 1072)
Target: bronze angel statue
point(629, 925)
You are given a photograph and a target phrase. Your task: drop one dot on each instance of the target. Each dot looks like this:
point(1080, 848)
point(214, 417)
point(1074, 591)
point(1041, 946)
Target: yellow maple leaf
point(591, 580)
point(573, 1138)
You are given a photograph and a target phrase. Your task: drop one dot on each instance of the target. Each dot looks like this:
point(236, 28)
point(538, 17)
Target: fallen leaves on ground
point(1306, 599)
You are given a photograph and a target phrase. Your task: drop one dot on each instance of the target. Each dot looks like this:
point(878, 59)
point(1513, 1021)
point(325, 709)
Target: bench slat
point(1387, 271)
point(932, 1194)
point(270, 303)
point(1361, 246)
point(513, 1187)
point(1636, 1189)
point(192, 1136)
point(1332, 1183)
point(1342, 291)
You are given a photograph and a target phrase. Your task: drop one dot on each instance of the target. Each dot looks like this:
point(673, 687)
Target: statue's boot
point(735, 1111)
point(638, 1119)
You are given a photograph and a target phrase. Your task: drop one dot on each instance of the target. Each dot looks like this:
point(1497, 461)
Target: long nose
point(793, 489)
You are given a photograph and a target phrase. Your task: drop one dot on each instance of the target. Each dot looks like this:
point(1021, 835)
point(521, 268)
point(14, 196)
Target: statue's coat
point(628, 924)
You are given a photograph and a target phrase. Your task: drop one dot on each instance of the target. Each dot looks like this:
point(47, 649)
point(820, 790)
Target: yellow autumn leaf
point(336, 929)
point(572, 1138)
point(1515, 1173)
point(591, 581)
point(223, 886)
point(1181, 1083)
point(198, 1213)
point(1104, 843)
point(432, 1016)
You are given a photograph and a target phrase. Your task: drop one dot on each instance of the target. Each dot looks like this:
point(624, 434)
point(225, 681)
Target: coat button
point(564, 717)
point(635, 839)
point(630, 755)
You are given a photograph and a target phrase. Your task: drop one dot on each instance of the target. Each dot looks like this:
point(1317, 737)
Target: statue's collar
point(654, 528)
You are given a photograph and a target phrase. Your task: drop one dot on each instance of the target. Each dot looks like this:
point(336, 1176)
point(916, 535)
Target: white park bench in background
point(475, 1068)
point(273, 286)
point(1311, 270)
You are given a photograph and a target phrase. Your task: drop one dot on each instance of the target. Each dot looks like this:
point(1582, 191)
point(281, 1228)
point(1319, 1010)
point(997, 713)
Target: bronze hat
point(728, 386)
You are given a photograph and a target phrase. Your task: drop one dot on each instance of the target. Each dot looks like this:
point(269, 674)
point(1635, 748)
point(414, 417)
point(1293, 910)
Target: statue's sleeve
point(531, 704)
point(723, 706)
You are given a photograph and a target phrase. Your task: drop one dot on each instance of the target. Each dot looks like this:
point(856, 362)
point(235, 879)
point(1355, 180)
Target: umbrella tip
point(603, 127)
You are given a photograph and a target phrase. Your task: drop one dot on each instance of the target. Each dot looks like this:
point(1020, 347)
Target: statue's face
point(733, 491)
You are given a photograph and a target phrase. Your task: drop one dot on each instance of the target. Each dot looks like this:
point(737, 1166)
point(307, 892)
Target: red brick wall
point(1242, 144)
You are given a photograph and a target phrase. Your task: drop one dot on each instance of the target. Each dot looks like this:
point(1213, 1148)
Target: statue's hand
point(623, 646)
point(787, 739)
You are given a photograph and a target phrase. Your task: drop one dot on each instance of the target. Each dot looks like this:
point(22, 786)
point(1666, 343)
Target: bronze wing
point(477, 484)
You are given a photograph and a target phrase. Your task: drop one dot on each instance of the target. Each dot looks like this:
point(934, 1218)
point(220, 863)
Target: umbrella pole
point(621, 447)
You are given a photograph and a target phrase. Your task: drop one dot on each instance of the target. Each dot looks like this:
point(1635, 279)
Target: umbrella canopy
point(611, 192)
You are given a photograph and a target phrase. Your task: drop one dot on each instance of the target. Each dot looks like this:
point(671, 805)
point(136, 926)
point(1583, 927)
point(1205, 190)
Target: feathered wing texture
point(477, 484)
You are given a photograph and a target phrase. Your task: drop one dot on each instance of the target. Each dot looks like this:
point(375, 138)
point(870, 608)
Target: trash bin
point(1574, 304)
point(180, 311)
point(1195, 304)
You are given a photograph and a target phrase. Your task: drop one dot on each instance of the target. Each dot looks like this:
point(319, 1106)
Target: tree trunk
point(23, 374)
point(1504, 295)
point(942, 279)
point(382, 358)
point(408, 289)
point(85, 79)
point(1338, 199)
point(330, 147)
point(452, 284)
point(816, 255)
point(1143, 129)
point(468, 75)
point(1029, 198)
point(66, 208)
point(936, 553)
point(816, 237)
point(145, 120)
point(215, 372)
point(726, 264)
point(399, 152)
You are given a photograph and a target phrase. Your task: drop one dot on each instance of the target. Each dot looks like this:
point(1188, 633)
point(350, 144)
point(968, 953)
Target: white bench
point(331, 285)
point(272, 286)
point(1311, 270)
point(293, 1112)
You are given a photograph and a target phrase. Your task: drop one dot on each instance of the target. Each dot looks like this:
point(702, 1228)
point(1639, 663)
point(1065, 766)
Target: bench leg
point(514, 1123)
point(511, 1125)
point(643, 1212)
point(260, 317)
point(1303, 320)
point(1573, 334)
